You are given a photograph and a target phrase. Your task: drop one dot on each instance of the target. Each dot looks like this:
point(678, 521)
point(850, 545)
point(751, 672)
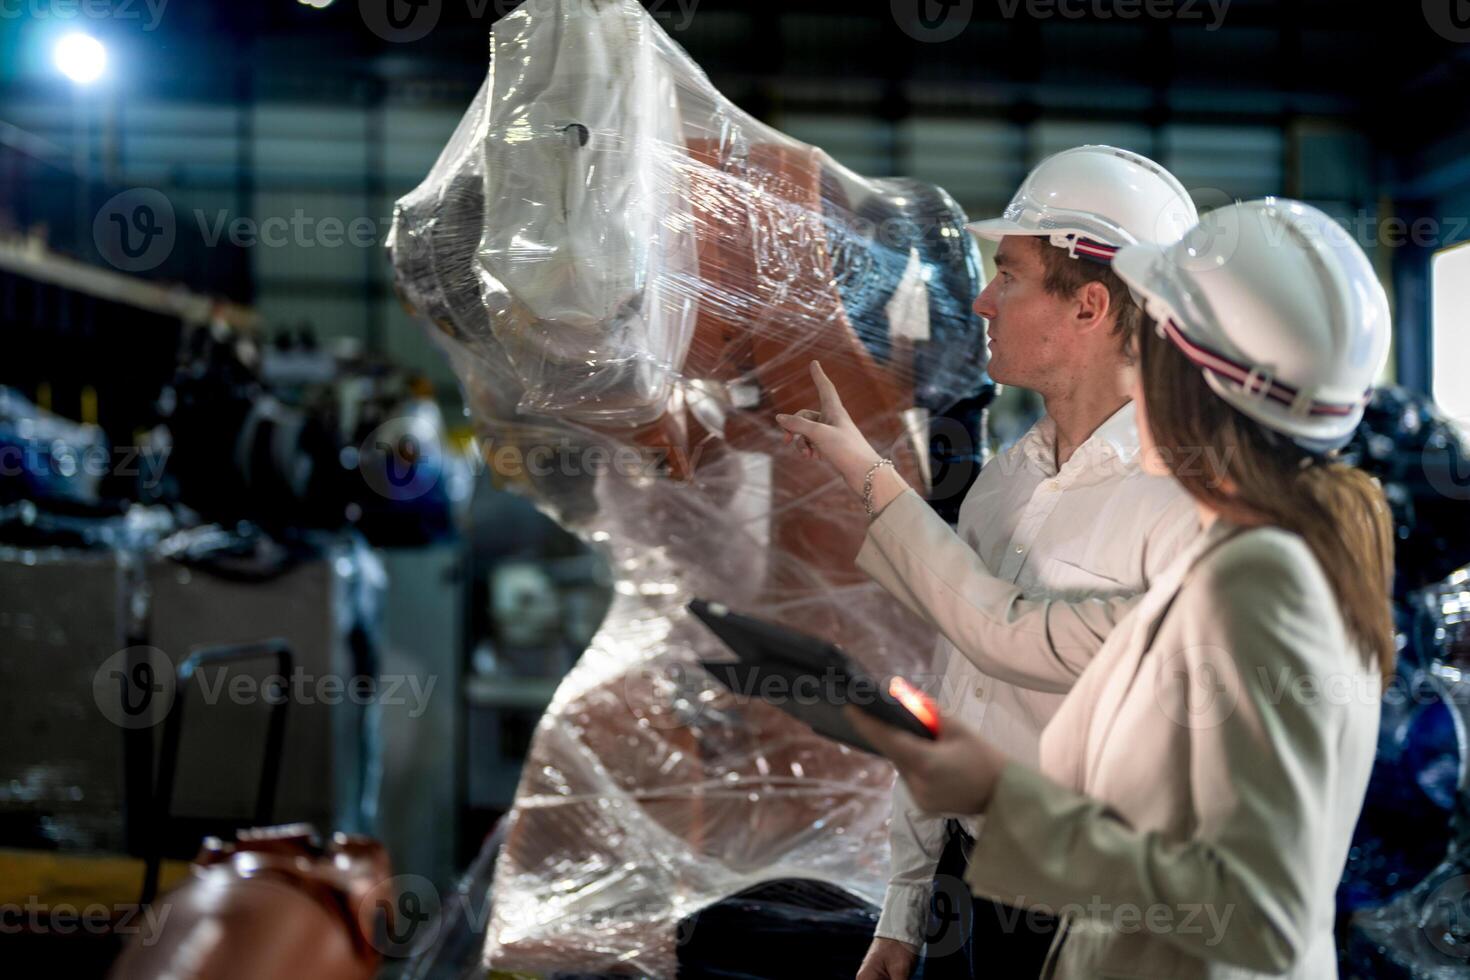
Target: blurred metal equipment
point(270, 768)
point(47, 457)
point(268, 448)
point(1422, 459)
point(1405, 899)
point(538, 597)
point(302, 446)
point(278, 902)
point(1423, 932)
point(323, 603)
point(62, 618)
point(423, 628)
point(87, 639)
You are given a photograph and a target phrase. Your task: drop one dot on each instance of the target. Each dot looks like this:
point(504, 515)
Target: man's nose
point(983, 305)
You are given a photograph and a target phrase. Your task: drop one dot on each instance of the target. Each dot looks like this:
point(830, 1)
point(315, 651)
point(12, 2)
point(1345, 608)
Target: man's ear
point(1094, 304)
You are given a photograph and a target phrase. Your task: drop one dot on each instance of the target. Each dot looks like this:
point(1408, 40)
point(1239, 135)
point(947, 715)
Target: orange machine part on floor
point(275, 903)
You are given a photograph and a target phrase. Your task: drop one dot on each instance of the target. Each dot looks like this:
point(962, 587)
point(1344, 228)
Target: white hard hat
point(1092, 200)
point(1278, 307)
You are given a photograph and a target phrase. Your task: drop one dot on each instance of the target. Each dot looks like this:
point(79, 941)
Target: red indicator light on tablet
point(919, 704)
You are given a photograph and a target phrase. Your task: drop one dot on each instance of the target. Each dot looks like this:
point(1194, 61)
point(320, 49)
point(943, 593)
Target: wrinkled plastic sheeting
point(631, 276)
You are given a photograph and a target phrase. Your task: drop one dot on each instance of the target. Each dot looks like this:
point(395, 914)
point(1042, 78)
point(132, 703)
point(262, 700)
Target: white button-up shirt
point(1043, 563)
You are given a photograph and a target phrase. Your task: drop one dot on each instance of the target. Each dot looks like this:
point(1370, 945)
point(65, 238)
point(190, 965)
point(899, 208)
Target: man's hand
point(830, 434)
point(955, 773)
point(888, 959)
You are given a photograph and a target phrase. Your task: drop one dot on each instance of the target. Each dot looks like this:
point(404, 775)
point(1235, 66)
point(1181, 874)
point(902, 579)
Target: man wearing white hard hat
point(1196, 795)
point(1057, 539)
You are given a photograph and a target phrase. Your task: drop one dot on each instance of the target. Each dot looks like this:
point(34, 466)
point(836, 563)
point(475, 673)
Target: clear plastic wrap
point(631, 277)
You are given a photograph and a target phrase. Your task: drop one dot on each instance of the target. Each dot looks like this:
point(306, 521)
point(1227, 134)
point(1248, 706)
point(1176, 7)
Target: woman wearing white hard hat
point(1199, 788)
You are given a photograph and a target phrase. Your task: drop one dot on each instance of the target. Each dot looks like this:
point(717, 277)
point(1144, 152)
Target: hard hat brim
point(994, 229)
point(1133, 263)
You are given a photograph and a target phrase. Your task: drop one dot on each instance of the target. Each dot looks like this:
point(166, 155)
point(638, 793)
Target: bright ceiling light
point(81, 57)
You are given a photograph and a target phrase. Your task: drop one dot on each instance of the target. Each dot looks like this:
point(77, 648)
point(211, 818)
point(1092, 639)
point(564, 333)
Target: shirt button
point(979, 691)
point(1019, 549)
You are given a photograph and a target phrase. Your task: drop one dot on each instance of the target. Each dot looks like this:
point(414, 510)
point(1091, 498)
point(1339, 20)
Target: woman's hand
point(830, 434)
point(955, 773)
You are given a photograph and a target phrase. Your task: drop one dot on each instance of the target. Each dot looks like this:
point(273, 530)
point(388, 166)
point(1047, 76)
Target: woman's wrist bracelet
point(868, 484)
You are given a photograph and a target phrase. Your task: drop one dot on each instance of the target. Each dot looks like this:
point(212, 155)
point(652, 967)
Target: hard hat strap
point(1257, 382)
point(1079, 247)
point(1099, 252)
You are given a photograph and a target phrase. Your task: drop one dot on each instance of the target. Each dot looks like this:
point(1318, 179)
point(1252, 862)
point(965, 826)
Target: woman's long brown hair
point(1252, 477)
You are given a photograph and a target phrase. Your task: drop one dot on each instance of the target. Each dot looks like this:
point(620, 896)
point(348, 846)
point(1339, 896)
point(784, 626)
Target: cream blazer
point(1199, 787)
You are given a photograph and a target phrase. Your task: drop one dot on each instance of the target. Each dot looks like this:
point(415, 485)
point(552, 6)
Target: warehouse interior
point(243, 453)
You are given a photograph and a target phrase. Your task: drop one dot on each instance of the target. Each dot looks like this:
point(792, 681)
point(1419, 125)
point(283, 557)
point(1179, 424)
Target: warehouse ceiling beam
point(29, 258)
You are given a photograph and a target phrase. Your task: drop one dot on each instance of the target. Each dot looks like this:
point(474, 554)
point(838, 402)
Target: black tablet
point(810, 679)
